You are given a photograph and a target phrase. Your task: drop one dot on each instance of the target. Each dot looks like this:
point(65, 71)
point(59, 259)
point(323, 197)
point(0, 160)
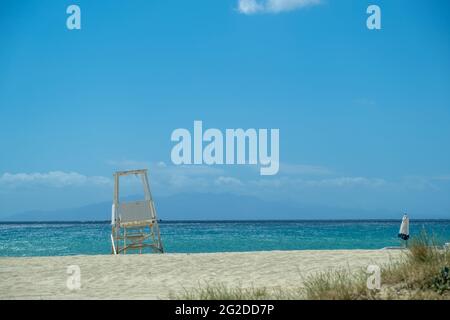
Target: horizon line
point(224, 220)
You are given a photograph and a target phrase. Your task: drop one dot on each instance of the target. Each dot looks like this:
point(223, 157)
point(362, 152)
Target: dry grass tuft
point(221, 292)
point(424, 272)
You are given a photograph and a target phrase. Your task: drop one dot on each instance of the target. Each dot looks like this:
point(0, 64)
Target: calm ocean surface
point(57, 239)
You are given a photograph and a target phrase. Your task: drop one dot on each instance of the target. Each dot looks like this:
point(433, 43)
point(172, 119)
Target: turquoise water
point(57, 239)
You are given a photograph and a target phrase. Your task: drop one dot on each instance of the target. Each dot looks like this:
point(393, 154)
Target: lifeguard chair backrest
point(136, 211)
point(133, 211)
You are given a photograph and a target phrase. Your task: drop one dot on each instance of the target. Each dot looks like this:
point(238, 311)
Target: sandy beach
point(168, 275)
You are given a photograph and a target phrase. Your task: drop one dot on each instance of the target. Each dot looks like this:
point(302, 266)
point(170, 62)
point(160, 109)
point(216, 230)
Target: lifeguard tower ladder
point(134, 224)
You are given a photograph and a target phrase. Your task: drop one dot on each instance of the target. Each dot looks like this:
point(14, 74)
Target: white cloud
point(294, 183)
point(186, 178)
point(51, 179)
point(347, 182)
point(202, 178)
point(171, 178)
point(161, 164)
point(249, 6)
point(273, 6)
point(228, 181)
point(168, 179)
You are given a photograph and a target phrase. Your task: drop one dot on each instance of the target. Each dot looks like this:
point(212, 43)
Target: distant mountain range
point(202, 206)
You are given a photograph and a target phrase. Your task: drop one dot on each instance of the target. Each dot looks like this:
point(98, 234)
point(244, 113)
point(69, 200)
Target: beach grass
point(337, 285)
point(421, 273)
point(220, 291)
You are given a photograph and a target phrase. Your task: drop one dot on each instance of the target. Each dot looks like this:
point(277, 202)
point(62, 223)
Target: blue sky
point(363, 115)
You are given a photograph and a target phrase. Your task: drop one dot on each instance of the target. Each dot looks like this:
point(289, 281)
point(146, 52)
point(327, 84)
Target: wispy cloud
point(348, 182)
point(296, 183)
point(338, 183)
point(174, 179)
point(303, 169)
point(55, 179)
point(292, 176)
point(227, 181)
point(273, 6)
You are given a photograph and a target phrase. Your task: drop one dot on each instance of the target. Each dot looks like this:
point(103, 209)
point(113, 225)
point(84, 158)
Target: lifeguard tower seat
point(134, 224)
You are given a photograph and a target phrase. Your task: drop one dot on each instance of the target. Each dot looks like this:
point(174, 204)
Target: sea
point(93, 238)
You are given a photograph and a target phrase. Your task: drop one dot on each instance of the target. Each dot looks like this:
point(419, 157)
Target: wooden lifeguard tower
point(134, 224)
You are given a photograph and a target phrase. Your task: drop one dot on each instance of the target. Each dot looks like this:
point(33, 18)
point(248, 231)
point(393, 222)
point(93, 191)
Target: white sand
point(163, 276)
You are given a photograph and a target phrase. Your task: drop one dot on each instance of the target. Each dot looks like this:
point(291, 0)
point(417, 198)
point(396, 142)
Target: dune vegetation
point(421, 273)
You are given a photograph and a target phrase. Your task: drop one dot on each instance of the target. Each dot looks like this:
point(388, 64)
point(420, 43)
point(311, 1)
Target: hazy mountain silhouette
point(202, 206)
